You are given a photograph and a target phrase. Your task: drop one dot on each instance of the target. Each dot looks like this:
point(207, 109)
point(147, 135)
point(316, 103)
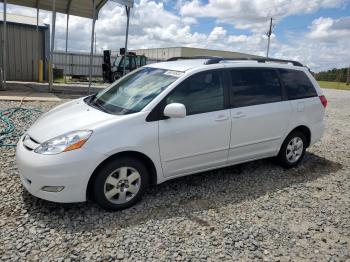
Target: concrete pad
point(28, 96)
point(70, 88)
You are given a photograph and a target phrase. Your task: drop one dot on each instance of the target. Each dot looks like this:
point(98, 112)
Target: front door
point(200, 140)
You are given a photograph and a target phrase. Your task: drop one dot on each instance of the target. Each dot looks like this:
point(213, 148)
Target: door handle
point(221, 118)
point(238, 115)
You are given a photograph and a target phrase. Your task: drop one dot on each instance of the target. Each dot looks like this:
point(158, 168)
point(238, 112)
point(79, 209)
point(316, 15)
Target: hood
point(71, 116)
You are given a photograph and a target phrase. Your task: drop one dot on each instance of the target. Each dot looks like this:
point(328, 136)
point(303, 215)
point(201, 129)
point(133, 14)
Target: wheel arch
point(133, 154)
point(305, 130)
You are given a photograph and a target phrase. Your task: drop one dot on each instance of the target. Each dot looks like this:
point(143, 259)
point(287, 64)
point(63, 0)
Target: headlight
point(64, 143)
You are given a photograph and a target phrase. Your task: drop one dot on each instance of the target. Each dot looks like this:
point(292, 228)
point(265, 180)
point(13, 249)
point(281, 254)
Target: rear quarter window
point(297, 84)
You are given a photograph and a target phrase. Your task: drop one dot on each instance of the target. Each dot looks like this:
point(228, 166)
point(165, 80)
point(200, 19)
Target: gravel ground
point(255, 211)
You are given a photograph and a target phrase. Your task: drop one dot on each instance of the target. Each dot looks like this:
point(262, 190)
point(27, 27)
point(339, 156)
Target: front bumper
point(71, 170)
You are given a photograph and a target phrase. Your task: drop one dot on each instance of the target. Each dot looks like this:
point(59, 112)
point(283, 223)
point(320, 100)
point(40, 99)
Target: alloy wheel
point(294, 149)
point(122, 185)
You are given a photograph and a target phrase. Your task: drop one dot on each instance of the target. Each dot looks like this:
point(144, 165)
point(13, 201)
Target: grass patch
point(334, 85)
point(59, 80)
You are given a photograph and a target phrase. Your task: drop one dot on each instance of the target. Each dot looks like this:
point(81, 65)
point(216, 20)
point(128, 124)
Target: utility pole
point(348, 78)
point(269, 33)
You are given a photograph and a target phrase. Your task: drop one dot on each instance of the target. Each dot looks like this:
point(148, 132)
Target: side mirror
point(175, 110)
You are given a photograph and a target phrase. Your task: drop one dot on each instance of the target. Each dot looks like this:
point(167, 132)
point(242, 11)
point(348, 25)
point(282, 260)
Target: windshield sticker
point(174, 73)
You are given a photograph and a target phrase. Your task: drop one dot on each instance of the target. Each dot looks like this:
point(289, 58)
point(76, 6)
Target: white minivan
point(167, 120)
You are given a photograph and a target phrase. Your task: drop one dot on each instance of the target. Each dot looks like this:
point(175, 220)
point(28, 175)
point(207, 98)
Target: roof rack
point(191, 57)
point(259, 60)
point(215, 60)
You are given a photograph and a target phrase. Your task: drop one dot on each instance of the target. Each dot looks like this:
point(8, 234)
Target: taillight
point(324, 101)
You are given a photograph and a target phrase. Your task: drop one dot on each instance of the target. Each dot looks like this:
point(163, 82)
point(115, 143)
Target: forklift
point(114, 71)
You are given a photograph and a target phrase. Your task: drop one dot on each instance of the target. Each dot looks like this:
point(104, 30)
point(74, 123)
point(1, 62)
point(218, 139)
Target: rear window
point(254, 86)
point(297, 84)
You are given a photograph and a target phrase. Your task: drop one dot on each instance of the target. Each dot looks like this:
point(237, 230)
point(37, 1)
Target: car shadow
point(183, 196)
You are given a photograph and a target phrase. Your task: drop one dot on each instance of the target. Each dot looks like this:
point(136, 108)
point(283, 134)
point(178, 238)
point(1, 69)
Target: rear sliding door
point(259, 111)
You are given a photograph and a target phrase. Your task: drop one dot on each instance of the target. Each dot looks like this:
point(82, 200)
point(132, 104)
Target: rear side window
point(253, 86)
point(297, 84)
point(200, 93)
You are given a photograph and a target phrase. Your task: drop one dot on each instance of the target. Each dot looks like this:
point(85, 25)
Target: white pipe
point(126, 37)
point(66, 63)
point(1, 78)
point(4, 49)
point(37, 39)
point(52, 43)
point(92, 42)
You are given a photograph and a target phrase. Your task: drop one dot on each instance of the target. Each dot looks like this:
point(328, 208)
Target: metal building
point(27, 45)
point(81, 8)
point(162, 54)
point(78, 63)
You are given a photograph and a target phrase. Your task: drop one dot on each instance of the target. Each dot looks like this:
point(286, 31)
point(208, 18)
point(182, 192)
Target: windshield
point(134, 91)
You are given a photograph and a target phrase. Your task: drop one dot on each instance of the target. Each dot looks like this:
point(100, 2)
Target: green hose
point(9, 132)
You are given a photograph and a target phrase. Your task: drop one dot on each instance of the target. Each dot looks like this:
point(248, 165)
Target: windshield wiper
point(101, 107)
point(94, 103)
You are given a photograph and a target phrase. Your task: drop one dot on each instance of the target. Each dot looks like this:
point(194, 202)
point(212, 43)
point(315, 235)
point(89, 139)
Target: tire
point(120, 184)
point(115, 76)
point(292, 150)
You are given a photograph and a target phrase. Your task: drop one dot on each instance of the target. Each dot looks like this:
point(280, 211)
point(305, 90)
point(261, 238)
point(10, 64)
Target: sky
point(314, 32)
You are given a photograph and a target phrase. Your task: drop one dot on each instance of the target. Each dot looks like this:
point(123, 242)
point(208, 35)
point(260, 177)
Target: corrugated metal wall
point(78, 63)
point(24, 50)
point(159, 54)
point(162, 54)
point(188, 51)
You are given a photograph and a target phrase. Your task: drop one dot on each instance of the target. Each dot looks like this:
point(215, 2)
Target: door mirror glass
point(175, 110)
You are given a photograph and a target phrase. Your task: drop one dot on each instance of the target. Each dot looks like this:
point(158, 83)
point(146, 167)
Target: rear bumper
point(71, 170)
point(317, 131)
